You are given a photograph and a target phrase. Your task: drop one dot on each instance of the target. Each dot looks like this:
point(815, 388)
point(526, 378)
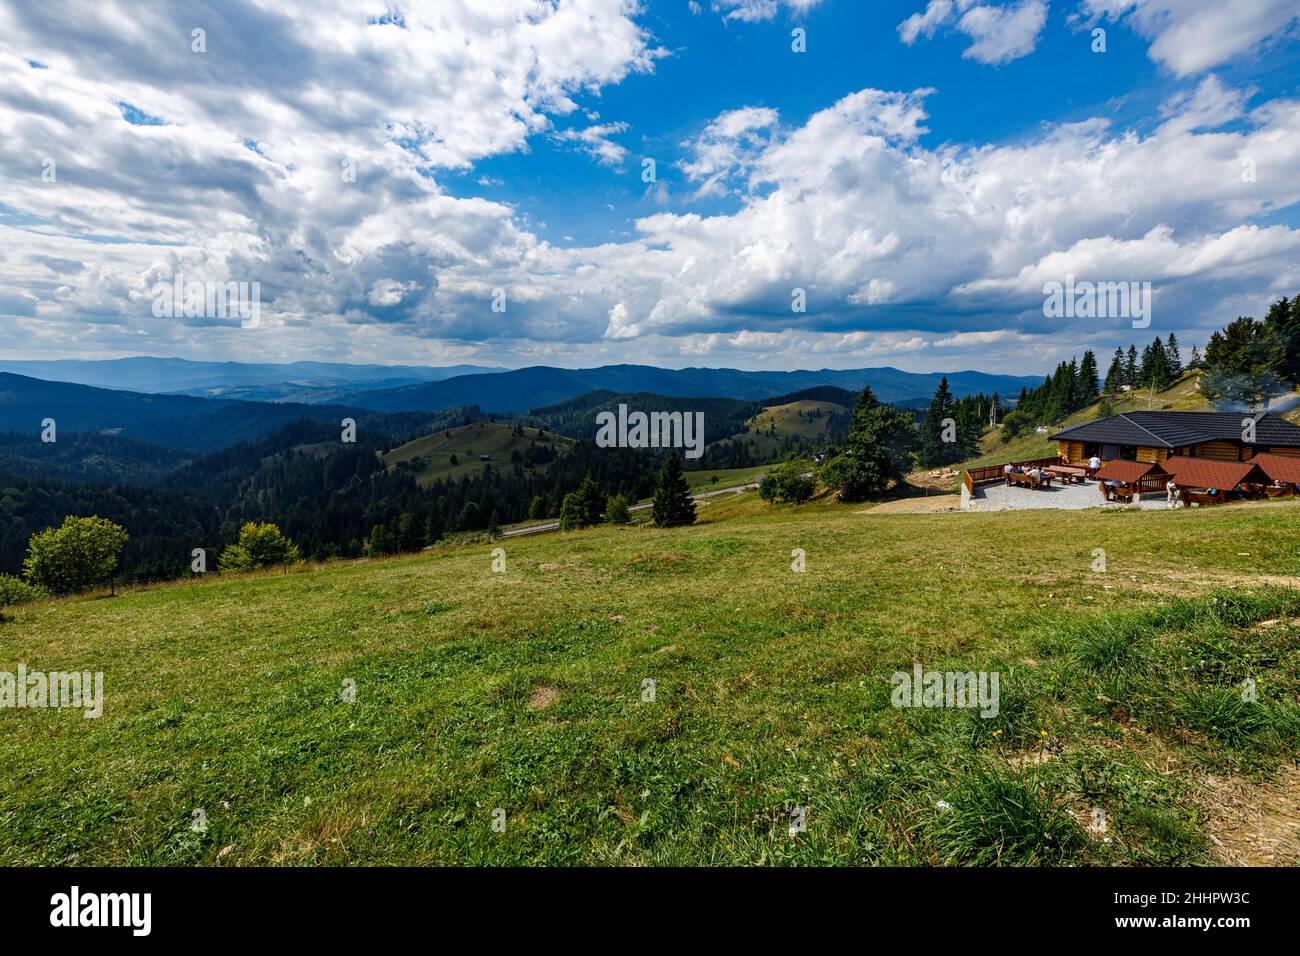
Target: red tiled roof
point(1208, 473)
point(1127, 471)
point(1279, 467)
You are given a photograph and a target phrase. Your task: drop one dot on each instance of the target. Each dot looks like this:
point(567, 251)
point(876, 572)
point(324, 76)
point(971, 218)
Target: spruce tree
point(934, 450)
point(1115, 376)
point(672, 501)
point(1088, 381)
point(1131, 366)
point(1173, 356)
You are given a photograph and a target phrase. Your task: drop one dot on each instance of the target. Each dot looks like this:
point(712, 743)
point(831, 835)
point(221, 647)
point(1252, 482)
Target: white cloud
point(999, 33)
point(727, 147)
point(1003, 34)
point(1191, 36)
point(902, 248)
point(758, 10)
point(595, 142)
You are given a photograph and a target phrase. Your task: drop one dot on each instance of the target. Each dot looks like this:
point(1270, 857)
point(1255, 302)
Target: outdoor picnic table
point(1070, 473)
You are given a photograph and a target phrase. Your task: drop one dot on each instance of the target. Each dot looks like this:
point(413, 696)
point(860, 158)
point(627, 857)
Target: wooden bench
point(1191, 497)
point(1273, 491)
point(1029, 481)
point(1107, 492)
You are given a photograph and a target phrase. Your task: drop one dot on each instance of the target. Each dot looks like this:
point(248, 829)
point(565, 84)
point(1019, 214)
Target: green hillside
point(809, 420)
point(430, 457)
point(526, 691)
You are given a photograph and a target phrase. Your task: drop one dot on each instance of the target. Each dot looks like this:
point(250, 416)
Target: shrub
point(784, 483)
point(78, 554)
point(259, 546)
point(617, 511)
point(17, 591)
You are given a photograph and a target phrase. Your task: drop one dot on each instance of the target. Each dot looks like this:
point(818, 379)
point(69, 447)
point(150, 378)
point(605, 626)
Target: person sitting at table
point(1094, 463)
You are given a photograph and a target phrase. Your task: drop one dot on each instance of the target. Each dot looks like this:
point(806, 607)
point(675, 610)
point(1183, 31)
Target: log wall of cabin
point(1070, 451)
point(1218, 451)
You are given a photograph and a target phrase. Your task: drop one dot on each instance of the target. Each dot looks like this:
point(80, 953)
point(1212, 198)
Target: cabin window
point(1110, 453)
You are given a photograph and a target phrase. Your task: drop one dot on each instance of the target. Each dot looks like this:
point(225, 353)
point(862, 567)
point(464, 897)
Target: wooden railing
point(994, 472)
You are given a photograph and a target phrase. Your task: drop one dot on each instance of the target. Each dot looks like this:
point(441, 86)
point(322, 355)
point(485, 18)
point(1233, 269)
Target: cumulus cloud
point(999, 33)
point(320, 172)
point(1191, 36)
point(727, 147)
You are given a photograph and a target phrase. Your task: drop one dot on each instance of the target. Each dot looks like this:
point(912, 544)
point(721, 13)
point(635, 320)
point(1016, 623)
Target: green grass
point(789, 422)
point(726, 477)
point(430, 457)
point(772, 692)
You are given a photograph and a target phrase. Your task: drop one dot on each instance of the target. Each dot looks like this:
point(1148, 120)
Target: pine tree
point(672, 501)
point(1115, 376)
point(1155, 366)
point(1282, 324)
point(1174, 357)
point(1089, 383)
point(591, 500)
point(1131, 376)
point(571, 512)
point(934, 450)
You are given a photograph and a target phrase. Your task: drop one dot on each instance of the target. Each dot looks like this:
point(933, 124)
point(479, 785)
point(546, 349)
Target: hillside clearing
point(526, 691)
point(430, 457)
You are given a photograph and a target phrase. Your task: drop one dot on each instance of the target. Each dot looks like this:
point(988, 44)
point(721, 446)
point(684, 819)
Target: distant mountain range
point(181, 422)
point(527, 388)
point(407, 388)
point(200, 423)
point(309, 382)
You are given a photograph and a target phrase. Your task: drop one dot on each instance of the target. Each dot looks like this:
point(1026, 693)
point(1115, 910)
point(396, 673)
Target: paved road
point(555, 525)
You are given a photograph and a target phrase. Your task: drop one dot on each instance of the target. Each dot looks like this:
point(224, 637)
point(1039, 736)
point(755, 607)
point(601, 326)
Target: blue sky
point(919, 174)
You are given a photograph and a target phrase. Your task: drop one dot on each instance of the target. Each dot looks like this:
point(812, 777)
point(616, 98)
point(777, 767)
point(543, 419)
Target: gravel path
point(998, 497)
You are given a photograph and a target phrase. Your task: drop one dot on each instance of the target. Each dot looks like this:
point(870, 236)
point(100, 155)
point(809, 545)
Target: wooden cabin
point(1120, 478)
point(1155, 437)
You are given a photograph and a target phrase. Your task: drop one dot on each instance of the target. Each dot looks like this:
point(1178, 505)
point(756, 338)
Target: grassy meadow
point(430, 457)
point(525, 690)
point(794, 419)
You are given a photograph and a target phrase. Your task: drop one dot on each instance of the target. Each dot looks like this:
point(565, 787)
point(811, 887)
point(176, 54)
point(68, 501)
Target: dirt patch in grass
point(933, 504)
point(543, 697)
point(1254, 824)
